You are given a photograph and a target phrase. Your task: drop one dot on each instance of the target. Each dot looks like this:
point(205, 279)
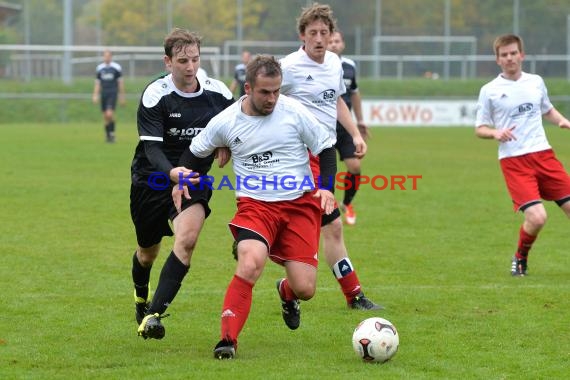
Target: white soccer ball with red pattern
point(375, 340)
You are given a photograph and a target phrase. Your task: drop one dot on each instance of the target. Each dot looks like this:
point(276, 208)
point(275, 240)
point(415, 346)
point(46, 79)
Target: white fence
point(47, 61)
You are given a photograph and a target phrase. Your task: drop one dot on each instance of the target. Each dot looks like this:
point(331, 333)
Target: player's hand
point(564, 123)
point(122, 100)
point(364, 130)
point(177, 192)
point(328, 202)
point(360, 145)
point(185, 175)
point(223, 156)
point(95, 99)
point(505, 135)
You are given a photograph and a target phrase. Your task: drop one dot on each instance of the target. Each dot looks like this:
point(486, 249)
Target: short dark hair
point(178, 38)
point(262, 64)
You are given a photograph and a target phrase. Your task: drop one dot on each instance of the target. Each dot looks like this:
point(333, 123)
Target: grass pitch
point(437, 257)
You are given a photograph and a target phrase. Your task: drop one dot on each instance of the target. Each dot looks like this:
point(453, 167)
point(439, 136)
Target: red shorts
point(290, 228)
point(535, 176)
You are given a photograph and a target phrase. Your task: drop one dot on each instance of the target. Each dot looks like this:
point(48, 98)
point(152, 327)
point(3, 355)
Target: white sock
point(342, 268)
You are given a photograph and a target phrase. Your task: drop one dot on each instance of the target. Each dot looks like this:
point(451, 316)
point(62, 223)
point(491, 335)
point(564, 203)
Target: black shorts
point(344, 143)
point(327, 219)
point(151, 211)
point(108, 101)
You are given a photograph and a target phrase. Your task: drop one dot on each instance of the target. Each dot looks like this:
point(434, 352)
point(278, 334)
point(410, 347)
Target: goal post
point(422, 45)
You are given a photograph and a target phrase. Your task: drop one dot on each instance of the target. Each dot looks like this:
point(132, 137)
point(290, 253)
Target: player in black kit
point(172, 110)
point(344, 144)
point(108, 85)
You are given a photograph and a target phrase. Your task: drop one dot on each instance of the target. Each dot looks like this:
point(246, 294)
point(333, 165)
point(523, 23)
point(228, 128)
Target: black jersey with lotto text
point(167, 115)
point(108, 76)
point(349, 76)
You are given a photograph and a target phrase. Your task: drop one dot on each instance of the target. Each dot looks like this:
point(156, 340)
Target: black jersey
point(167, 115)
point(349, 76)
point(108, 76)
point(239, 76)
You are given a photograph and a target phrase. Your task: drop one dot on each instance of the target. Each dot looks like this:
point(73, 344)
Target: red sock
point(237, 304)
point(286, 292)
point(525, 243)
point(350, 285)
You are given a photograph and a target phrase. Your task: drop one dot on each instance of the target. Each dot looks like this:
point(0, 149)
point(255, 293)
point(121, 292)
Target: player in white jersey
point(277, 216)
point(510, 110)
point(314, 76)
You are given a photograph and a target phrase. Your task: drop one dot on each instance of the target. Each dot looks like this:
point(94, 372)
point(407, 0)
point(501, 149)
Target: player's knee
point(305, 293)
point(147, 256)
point(249, 268)
point(537, 220)
point(186, 242)
point(540, 221)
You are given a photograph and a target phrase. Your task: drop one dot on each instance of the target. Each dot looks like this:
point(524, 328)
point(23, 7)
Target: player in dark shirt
point(344, 144)
point(239, 74)
point(108, 85)
point(173, 109)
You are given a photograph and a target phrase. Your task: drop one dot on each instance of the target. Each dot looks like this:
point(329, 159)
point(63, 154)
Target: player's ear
point(167, 61)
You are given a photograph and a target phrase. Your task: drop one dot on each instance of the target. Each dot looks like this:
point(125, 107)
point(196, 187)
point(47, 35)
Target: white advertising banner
point(419, 113)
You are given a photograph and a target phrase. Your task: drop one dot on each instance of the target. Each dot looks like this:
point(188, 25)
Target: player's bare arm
point(557, 118)
point(357, 108)
point(96, 89)
point(502, 135)
point(122, 98)
point(345, 118)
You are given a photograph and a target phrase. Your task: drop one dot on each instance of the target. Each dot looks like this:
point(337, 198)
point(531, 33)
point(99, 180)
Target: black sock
point(350, 192)
point(171, 276)
point(108, 129)
point(141, 277)
point(112, 126)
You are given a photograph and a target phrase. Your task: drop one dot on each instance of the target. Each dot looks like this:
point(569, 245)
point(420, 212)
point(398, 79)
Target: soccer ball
point(375, 340)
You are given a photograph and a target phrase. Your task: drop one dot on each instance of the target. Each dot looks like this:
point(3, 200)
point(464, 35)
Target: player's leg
point(336, 254)
point(296, 248)
point(299, 284)
point(149, 213)
point(252, 254)
point(534, 219)
point(107, 117)
point(110, 102)
point(522, 179)
point(110, 125)
point(254, 228)
point(346, 149)
point(143, 260)
point(187, 226)
point(353, 172)
point(337, 258)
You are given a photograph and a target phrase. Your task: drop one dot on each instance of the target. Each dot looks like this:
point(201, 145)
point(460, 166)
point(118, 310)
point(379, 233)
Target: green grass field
point(438, 258)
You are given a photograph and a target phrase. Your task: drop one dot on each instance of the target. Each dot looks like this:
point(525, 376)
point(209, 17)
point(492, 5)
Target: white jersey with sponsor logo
point(316, 85)
point(505, 103)
point(269, 153)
